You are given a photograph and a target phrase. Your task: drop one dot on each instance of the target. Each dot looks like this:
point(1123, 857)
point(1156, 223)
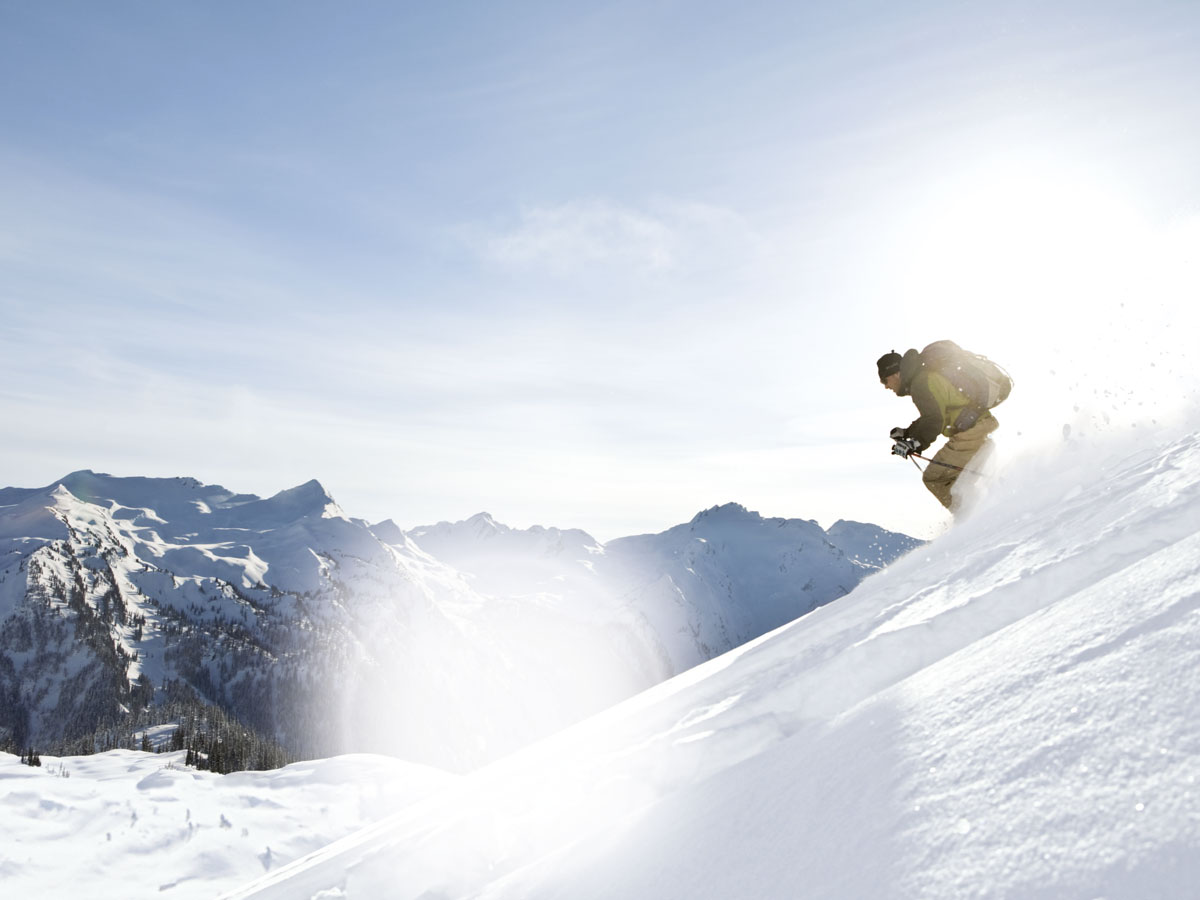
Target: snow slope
point(1008, 712)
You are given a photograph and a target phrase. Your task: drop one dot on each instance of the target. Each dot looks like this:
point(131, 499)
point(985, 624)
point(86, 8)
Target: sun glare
point(1027, 240)
point(1059, 274)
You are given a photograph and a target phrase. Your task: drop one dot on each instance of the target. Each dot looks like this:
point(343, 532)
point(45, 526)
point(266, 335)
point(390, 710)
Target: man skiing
point(946, 407)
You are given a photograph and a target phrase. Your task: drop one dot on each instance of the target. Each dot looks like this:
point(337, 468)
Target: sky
point(583, 265)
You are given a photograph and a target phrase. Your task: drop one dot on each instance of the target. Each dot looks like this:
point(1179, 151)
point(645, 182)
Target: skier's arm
point(926, 427)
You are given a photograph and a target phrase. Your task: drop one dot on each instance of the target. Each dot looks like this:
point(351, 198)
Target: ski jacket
point(938, 401)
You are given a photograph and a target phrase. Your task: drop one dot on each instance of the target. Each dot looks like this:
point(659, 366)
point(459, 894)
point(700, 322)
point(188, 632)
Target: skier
point(953, 391)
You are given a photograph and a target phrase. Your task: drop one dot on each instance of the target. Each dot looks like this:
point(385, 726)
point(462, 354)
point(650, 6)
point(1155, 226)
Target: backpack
point(984, 383)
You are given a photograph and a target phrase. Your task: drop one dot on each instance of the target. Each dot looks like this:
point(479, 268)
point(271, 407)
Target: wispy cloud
point(662, 237)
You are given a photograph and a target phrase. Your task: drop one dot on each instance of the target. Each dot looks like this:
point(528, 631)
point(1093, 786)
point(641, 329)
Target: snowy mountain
point(330, 635)
point(283, 612)
point(695, 591)
point(869, 545)
point(730, 575)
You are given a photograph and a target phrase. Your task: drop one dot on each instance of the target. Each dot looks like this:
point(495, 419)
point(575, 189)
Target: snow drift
point(1006, 712)
point(126, 824)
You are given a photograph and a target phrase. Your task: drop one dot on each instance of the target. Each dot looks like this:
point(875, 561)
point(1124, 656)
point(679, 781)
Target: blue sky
point(583, 265)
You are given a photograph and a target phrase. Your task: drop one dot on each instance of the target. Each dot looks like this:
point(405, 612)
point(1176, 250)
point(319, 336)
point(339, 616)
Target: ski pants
point(959, 451)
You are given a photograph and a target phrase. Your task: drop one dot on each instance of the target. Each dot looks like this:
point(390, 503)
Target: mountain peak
point(83, 483)
point(388, 532)
point(307, 499)
point(483, 524)
point(311, 489)
point(725, 512)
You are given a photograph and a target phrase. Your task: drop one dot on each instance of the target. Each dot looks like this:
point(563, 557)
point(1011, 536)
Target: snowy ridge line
point(1023, 558)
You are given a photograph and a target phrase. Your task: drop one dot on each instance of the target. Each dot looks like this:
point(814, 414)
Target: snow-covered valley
point(1006, 712)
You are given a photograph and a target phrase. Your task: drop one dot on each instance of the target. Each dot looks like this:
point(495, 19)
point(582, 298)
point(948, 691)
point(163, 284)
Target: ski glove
point(897, 433)
point(904, 447)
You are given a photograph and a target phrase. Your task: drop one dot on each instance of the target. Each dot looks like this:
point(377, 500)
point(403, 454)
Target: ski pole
point(938, 462)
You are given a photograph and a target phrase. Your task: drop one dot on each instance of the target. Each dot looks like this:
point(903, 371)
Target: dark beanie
point(888, 364)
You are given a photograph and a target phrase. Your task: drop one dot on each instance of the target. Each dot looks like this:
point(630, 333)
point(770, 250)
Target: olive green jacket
point(938, 401)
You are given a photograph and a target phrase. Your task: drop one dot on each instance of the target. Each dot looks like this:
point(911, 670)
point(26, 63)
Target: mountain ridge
point(303, 622)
